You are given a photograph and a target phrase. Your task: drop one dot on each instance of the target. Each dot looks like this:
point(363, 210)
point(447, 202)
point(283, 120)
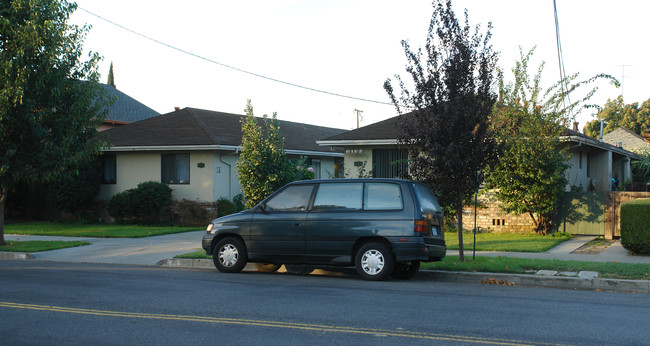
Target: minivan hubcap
point(228, 255)
point(372, 262)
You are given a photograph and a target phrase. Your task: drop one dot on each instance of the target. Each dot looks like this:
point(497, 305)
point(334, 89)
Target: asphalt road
point(74, 303)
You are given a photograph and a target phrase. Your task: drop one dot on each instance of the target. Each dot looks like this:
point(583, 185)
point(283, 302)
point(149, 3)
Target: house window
point(176, 168)
point(580, 161)
point(109, 166)
point(588, 165)
point(315, 165)
point(389, 163)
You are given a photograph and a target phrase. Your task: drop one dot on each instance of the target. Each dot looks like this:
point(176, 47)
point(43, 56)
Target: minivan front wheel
point(374, 261)
point(229, 255)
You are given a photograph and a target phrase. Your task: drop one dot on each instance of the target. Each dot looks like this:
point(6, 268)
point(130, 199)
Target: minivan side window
point(339, 196)
point(293, 198)
point(382, 196)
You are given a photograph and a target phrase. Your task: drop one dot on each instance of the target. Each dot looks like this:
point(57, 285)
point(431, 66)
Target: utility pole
point(623, 81)
point(358, 115)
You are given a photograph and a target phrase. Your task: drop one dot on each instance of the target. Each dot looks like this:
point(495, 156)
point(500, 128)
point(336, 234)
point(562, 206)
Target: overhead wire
point(230, 66)
point(560, 58)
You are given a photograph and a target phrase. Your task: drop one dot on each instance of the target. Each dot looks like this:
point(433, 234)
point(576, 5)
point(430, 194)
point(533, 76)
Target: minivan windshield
point(428, 202)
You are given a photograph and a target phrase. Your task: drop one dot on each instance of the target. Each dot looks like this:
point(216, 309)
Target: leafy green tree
point(450, 105)
point(263, 166)
point(617, 114)
point(529, 176)
point(50, 102)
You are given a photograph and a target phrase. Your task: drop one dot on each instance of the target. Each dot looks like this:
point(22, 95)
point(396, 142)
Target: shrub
point(190, 213)
point(635, 231)
point(143, 204)
point(239, 202)
point(225, 207)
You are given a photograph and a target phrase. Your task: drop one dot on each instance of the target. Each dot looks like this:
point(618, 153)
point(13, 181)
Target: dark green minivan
point(381, 227)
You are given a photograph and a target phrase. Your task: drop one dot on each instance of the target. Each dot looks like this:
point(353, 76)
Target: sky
point(211, 54)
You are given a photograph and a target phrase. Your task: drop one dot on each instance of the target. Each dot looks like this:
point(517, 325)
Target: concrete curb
point(16, 256)
point(597, 284)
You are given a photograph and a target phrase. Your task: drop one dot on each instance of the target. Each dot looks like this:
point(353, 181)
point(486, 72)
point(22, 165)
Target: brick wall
point(490, 219)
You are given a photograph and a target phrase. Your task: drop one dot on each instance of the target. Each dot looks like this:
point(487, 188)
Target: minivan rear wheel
point(374, 261)
point(405, 270)
point(229, 255)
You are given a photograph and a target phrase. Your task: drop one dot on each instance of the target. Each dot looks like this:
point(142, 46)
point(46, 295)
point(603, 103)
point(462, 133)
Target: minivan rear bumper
point(415, 249)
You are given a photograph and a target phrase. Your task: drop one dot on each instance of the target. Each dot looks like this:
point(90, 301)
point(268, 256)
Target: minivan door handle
point(298, 224)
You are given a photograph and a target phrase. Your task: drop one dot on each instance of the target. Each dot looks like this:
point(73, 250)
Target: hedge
point(635, 225)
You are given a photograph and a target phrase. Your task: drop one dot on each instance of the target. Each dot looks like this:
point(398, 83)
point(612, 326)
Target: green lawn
point(38, 246)
point(506, 242)
point(527, 265)
point(92, 230)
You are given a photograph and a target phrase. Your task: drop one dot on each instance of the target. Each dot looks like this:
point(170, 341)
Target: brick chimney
point(575, 126)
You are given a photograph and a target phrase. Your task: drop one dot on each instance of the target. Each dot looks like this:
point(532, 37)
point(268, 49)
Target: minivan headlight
point(210, 227)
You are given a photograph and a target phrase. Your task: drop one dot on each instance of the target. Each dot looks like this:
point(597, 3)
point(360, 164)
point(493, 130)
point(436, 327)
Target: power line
point(229, 66)
point(560, 57)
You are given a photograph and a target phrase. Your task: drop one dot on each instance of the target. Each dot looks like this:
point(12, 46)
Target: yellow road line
point(272, 324)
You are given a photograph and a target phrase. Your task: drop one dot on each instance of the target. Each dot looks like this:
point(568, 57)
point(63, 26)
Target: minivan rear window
point(428, 202)
point(338, 196)
point(382, 196)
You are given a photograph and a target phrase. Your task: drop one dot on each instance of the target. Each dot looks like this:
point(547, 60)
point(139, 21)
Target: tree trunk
point(459, 215)
point(3, 198)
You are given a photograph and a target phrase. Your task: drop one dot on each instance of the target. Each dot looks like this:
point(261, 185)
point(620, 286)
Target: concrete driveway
point(147, 251)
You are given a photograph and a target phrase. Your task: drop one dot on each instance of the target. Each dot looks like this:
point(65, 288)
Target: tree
point(450, 105)
point(111, 77)
point(263, 166)
point(50, 102)
point(529, 176)
point(617, 114)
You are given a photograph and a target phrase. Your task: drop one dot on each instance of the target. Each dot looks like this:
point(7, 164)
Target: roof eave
point(601, 145)
point(234, 148)
point(357, 142)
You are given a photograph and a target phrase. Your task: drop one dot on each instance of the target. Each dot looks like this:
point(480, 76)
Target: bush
point(225, 207)
point(635, 231)
point(143, 204)
point(190, 213)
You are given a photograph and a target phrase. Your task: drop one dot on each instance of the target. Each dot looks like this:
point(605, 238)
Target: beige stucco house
point(195, 151)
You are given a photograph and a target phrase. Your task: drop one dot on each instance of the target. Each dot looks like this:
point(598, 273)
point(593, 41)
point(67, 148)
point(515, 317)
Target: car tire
point(267, 267)
point(374, 261)
point(405, 270)
point(229, 255)
point(301, 269)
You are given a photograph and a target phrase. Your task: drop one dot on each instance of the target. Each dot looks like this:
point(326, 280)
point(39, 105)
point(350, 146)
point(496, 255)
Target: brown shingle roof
point(386, 129)
point(190, 126)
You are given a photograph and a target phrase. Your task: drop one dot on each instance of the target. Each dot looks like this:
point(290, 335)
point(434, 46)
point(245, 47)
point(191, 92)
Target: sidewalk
point(160, 250)
point(614, 253)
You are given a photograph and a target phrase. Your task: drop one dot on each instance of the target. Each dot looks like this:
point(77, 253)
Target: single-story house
point(375, 151)
point(195, 151)
point(125, 110)
point(375, 147)
point(626, 139)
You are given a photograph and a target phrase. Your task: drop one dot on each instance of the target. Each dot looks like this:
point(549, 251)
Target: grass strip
point(38, 246)
point(92, 230)
point(510, 242)
point(527, 265)
point(198, 254)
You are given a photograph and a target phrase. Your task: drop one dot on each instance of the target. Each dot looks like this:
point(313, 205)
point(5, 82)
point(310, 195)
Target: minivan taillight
point(421, 226)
